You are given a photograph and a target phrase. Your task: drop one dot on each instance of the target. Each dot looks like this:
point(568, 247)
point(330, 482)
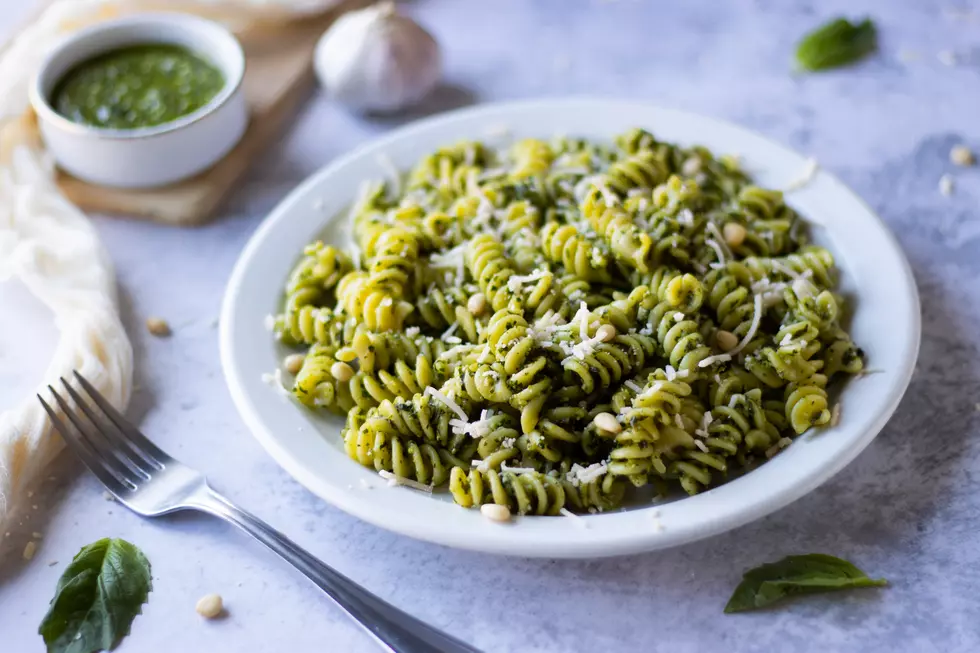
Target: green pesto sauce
point(137, 86)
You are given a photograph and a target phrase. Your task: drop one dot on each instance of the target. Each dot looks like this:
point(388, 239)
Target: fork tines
point(115, 450)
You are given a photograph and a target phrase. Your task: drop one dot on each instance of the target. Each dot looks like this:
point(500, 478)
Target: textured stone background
point(906, 509)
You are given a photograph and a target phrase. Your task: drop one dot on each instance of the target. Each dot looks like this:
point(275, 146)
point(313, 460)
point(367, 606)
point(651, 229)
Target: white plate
point(874, 272)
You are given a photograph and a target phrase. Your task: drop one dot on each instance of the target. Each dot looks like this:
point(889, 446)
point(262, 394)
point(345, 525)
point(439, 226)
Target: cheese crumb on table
point(210, 606)
point(946, 185)
point(158, 327)
point(30, 550)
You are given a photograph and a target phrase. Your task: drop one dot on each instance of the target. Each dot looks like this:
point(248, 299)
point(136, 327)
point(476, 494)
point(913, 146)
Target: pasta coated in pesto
point(548, 326)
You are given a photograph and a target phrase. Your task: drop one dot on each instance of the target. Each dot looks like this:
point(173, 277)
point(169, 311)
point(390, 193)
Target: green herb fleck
point(804, 574)
point(837, 43)
point(97, 598)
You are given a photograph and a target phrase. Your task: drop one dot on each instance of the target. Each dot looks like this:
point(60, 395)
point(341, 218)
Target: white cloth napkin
point(48, 243)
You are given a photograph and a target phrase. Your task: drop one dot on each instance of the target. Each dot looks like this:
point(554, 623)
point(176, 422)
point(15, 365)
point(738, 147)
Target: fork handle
point(394, 630)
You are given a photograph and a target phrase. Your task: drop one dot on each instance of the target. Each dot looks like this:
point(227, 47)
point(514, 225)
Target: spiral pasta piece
point(532, 157)
point(385, 451)
point(524, 493)
point(564, 244)
point(321, 268)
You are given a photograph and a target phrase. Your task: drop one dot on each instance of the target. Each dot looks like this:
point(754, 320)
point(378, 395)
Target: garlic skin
point(377, 60)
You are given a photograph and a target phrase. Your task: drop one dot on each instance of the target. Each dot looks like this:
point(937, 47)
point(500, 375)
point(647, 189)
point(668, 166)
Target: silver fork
point(151, 483)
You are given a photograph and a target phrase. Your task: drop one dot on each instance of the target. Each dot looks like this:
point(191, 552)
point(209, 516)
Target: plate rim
point(575, 548)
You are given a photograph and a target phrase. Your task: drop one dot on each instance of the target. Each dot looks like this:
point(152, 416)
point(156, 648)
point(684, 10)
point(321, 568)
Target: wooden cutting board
point(278, 78)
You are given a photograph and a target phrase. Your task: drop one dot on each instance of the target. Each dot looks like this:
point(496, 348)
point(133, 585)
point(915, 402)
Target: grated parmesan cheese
point(779, 267)
point(608, 197)
point(803, 288)
point(477, 429)
point(578, 475)
point(394, 479)
point(517, 470)
point(275, 380)
point(515, 282)
point(270, 322)
point(451, 258)
point(756, 320)
point(579, 521)
point(670, 372)
point(810, 167)
point(480, 465)
point(718, 252)
point(701, 445)
point(711, 360)
point(485, 356)
point(392, 173)
point(720, 241)
point(449, 403)
point(633, 386)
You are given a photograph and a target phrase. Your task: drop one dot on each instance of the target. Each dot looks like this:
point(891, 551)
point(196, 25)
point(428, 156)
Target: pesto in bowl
point(137, 86)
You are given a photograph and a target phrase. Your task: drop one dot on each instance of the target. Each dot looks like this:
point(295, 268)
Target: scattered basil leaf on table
point(97, 598)
point(838, 43)
point(804, 574)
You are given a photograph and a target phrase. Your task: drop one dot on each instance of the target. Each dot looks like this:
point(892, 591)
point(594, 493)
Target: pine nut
point(606, 332)
point(607, 422)
point(495, 512)
point(293, 363)
point(210, 606)
point(726, 340)
point(477, 303)
point(158, 327)
point(341, 371)
point(961, 156)
point(734, 234)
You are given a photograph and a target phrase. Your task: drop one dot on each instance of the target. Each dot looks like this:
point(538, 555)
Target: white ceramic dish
point(151, 156)
point(308, 446)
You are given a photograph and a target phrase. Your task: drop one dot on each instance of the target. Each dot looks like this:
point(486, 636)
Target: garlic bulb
point(377, 60)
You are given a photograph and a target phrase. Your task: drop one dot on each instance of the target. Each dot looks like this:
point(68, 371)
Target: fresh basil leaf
point(804, 574)
point(97, 598)
point(838, 43)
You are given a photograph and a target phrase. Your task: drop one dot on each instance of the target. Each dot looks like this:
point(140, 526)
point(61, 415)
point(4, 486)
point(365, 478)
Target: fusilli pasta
point(548, 326)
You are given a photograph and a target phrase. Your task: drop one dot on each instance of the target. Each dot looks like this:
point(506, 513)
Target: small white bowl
point(150, 156)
